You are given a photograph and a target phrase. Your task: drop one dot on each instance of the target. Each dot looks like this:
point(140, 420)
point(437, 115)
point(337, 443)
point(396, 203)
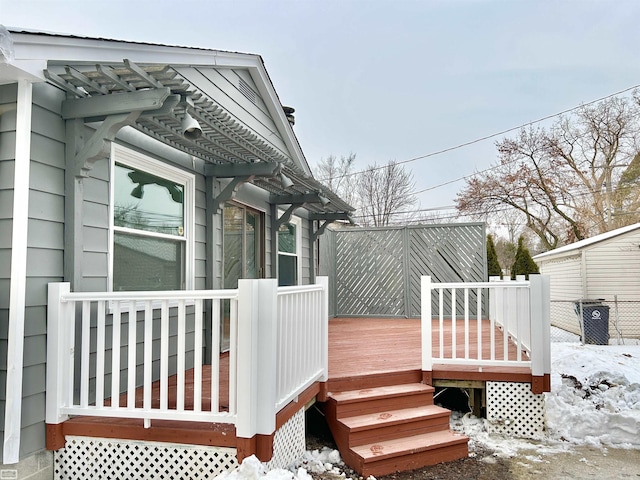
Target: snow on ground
point(594, 401)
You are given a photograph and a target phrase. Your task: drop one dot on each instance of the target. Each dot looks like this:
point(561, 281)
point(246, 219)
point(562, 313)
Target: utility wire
point(482, 139)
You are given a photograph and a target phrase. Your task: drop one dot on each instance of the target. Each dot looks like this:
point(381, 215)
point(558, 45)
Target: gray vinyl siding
point(222, 86)
point(305, 252)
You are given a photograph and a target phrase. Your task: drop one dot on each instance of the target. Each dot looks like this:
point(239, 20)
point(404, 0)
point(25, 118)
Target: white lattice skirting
point(115, 459)
point(289, 442)
point(513, 410)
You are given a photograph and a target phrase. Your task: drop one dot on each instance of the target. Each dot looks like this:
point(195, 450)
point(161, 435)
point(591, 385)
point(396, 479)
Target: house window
point(288, 253)
point(152, 228)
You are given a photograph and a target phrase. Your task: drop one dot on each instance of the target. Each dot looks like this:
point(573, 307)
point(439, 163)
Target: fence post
point(324, 318)
point(256, 377)
point(59, 353)
point(425, 302)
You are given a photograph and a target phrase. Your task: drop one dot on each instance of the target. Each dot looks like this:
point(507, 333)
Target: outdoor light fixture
point(285, 181)
point(324, 200)
point(190, 127)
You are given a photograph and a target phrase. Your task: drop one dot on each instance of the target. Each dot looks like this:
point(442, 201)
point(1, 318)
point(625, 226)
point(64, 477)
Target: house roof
point(99, 69)
point(587, 242)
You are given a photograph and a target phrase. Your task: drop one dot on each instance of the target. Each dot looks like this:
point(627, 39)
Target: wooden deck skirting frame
point(172, 431)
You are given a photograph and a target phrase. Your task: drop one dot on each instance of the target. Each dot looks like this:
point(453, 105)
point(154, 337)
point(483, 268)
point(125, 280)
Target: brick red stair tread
point(374, 452)
point(381, 392)
point(368, 421)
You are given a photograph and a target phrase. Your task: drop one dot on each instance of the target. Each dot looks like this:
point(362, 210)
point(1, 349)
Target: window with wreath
point(152, 224)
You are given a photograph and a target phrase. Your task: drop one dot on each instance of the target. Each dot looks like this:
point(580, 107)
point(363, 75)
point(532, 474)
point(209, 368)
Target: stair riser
point(373, 381)
point(392, 432)
point(383, 404)
point(412, 461)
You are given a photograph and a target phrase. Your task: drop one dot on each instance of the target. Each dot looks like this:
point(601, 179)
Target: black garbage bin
point(595, 321)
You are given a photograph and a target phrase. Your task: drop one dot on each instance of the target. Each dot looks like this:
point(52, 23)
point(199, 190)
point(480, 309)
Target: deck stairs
point(386, 427)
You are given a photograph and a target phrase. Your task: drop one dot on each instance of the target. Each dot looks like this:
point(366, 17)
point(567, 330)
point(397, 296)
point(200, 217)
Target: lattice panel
point(113, 459)
point(377, 271)
point(369, 273)
point(289, 442)
point(512, 409)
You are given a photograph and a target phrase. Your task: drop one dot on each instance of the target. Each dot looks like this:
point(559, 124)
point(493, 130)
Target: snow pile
point(595, 395)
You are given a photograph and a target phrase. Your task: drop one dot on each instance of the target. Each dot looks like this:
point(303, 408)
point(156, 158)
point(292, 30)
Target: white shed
point(607, 267)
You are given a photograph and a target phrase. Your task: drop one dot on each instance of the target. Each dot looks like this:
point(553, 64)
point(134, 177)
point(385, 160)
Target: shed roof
point(573, 248)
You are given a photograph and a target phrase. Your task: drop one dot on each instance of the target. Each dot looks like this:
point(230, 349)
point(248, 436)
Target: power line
point(482, 139)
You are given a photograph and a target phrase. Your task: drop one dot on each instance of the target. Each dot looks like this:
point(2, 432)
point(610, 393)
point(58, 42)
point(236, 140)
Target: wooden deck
point(360, 347)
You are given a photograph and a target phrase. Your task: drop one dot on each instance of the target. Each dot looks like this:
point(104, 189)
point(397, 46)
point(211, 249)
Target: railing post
point(540, 344)
point(425, 312)
point(256, 378)
point(324, 317)
point(59, 352)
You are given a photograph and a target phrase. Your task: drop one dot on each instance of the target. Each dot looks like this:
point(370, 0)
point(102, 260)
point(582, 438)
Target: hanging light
point(285, 181)
point(189, 127)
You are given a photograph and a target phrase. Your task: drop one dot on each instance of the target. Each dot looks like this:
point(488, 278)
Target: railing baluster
point(180, 363)
point(115, 356)
point(441, 322)
point(493, 291)
point(479, 321)
point(131, 351)
point(216, 305)
point(148, 355)
point(466, 323)
point(233, 359)
point(100, 353)
point(85, 351)
point(197, 357)
point(164, 355)
point(506, 314)
point(454, 331)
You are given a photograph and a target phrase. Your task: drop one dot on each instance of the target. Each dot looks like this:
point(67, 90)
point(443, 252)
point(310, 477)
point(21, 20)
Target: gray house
point(128, 167)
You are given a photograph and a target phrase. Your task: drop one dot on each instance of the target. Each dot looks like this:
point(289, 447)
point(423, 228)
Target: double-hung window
point(289, 252)
point(152, 223)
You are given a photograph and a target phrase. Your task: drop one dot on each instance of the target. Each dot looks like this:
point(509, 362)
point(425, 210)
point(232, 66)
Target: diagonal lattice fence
point(376, 271)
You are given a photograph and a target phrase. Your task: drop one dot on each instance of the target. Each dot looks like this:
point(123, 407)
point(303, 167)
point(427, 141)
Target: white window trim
point(135, 159)
point(297, 221)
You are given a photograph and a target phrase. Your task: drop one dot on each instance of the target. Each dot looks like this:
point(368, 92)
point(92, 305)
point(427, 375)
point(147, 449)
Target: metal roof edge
point(587, 242)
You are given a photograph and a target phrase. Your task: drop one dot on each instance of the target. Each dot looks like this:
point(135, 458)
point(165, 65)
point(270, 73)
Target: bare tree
point(337, 174)
point(566, 182)
point(385, 195)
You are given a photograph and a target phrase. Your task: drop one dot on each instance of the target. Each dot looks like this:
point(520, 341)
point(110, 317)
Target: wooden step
point(380, 399)
point(392, 424)
point(408, 453)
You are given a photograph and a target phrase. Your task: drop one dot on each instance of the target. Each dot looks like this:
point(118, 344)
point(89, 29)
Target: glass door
point(243, 252)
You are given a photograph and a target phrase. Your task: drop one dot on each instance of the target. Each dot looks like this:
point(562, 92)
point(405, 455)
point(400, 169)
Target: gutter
point(18, 281)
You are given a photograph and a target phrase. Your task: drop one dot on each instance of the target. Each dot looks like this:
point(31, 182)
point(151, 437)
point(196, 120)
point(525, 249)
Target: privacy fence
point(376, 271)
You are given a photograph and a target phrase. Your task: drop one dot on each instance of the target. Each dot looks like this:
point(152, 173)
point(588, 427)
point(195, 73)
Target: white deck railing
point(278, 347)
point(514, 314)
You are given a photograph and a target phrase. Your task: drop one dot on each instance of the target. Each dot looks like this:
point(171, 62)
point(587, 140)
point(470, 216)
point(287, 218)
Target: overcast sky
point(391, 80)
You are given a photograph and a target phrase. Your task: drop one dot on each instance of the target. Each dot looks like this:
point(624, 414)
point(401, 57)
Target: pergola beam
point(115, 104)
point(231, 170)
